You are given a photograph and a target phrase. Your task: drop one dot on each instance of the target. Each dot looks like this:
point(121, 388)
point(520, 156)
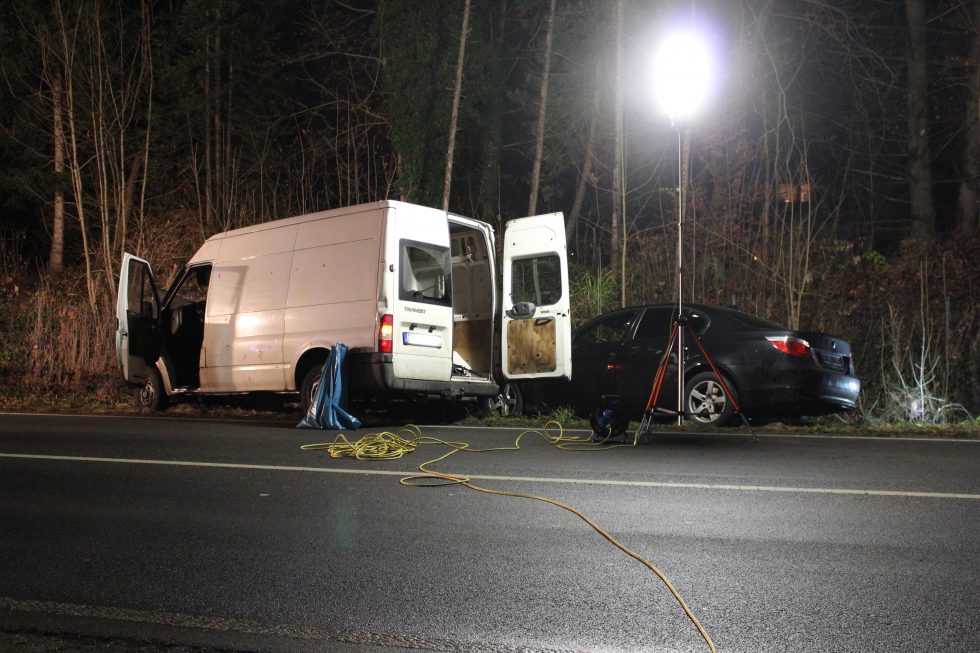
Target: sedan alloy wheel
point(707, 402)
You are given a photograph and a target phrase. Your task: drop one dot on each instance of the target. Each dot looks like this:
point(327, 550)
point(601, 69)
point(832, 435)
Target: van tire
point(151, 396)
point(509, 401)
point(309, 387)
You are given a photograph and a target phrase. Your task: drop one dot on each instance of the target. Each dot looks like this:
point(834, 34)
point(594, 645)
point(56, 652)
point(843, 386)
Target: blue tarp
point(326, 411)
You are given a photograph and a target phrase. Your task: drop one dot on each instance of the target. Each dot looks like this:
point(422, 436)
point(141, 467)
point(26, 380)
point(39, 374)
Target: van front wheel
point(151, 396)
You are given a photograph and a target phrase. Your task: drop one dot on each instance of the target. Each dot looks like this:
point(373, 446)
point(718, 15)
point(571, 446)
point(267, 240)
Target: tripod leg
point(723, 384)
point(661, 371)
point(658, 381)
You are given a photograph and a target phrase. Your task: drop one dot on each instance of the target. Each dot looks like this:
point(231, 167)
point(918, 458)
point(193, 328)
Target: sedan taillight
point(790, 345)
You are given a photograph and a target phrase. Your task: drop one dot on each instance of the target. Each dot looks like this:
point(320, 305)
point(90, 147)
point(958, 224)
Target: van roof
point(299, 219)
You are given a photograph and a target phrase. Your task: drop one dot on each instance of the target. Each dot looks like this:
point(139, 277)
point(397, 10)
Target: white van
point(412, 291)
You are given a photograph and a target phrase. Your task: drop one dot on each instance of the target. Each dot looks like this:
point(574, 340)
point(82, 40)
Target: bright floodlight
point(682, 74)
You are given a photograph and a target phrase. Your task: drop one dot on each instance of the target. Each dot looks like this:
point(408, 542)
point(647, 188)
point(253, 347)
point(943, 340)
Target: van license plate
point(421, 339)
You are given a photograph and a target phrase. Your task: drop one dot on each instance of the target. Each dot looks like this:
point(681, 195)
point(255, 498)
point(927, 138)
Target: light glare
point(682, 74)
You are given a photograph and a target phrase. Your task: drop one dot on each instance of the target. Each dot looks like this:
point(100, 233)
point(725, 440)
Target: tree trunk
point(206, 219)
point(587, 175)
point(970, 186)
point(920, 173)
point(454, 116)
point(532, 205)
point(56, 258)
point(219, 164)
point(64, 51)
point(133, 176)
point(617, 180)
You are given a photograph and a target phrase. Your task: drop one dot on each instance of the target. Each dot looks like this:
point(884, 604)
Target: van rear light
point(385, 331)
point(790, 345)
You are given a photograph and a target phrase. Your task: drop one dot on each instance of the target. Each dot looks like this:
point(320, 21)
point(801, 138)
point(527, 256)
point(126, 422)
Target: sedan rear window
point(751, 320)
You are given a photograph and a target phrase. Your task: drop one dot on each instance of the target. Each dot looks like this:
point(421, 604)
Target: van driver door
point(536, 318)
point(137, 308)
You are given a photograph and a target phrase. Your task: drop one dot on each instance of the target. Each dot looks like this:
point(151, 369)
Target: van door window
point(425, 273)
point(142, 294)
point(186, 309)
point(537, 280)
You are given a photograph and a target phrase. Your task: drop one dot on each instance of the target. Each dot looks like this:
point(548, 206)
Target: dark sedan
point(773, 372)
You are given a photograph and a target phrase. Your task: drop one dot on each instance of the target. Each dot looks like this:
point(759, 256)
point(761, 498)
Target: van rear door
point(536, 317)
point(137, 308)
point(422, 313)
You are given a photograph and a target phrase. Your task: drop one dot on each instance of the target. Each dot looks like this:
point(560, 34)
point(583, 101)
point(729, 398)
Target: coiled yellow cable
point(391, 446)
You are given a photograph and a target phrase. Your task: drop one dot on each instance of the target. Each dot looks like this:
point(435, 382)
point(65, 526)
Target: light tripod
point(676, 336)
point(680, 320)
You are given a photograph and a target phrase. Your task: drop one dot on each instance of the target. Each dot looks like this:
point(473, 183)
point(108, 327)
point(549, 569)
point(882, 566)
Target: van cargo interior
point(473, 348)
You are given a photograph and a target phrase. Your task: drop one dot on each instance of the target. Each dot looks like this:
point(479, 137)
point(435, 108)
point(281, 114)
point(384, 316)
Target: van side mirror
point(522, 311)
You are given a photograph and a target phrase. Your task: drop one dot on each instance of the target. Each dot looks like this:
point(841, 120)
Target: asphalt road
point(120, 534)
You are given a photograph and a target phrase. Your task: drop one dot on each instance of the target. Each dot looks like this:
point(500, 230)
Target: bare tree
point(104, 91)
point(586, 176)
point(532, 204)
point(969, 222)
point(56, 257)
point(454, 116)
point(920, 172)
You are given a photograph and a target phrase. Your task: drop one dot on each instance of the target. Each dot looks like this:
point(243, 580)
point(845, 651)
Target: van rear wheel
point(151, 396)
point(507, 402)
point(311, 383)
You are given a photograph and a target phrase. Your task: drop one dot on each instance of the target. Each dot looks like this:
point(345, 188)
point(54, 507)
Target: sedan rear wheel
point(706, 401)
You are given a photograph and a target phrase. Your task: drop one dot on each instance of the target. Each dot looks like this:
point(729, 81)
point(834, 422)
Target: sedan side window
point(655, 325)
point(613, 328)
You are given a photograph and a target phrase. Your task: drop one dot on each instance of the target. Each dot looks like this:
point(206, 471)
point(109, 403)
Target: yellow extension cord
point(392, 446)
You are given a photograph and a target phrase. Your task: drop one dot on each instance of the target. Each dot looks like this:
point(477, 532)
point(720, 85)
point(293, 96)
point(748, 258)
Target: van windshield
point(425, 273)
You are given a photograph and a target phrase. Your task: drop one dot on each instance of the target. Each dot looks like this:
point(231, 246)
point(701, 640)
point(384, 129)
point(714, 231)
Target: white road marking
point(516, 479)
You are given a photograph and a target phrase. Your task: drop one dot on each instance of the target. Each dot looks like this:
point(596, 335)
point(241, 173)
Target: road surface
point(174, 534)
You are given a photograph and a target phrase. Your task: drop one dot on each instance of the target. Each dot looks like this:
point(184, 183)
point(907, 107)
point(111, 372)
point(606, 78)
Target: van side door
point(138, 342)
point(536, 326)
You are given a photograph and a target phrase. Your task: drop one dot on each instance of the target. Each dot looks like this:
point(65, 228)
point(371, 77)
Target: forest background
point(834, 176)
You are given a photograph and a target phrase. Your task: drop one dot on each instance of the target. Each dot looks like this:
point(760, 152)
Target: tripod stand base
point(648, 419)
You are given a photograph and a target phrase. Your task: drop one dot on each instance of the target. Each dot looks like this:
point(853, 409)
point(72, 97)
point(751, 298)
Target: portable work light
point(682, 74)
